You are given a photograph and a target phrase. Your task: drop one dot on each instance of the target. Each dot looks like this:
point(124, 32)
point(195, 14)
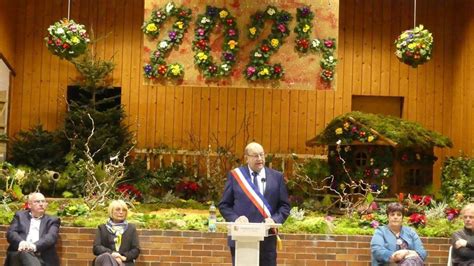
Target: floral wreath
point(157, 67)
point(205, 23)
point(67, 39)
point(350, 132)
point(326, 47)
point(258, 68)
point(414, 46)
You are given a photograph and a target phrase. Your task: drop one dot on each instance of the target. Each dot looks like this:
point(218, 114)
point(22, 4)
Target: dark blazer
point(235, 203)
point(48, 236)
point(104, 243)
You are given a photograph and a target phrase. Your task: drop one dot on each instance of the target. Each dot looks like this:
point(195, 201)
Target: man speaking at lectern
point(256, 194)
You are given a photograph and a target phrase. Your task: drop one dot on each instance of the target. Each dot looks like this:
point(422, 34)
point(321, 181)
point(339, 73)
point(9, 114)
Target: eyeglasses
point(39, 201)
point(256, 156)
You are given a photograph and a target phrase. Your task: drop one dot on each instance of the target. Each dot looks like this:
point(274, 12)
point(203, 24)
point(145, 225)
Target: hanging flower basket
point(67, 39)
point(414, 47)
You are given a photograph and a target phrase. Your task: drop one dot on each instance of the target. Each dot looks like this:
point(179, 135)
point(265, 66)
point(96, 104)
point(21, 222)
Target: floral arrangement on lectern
point(414, 46)
point(67, 39)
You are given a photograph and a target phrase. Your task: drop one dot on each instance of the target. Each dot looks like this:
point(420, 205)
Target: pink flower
point(250, 70)
point(282, 27)
point(201, 31)
point(374, 224)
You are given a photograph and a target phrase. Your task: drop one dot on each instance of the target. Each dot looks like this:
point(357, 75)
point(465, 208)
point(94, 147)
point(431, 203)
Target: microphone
point(263, 180)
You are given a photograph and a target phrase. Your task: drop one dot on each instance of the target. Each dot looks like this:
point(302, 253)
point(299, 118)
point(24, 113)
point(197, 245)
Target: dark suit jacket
point(235, 203)
point(104, 243)
point(48, 236)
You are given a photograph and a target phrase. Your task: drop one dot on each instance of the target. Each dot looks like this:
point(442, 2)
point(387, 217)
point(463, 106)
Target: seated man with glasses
point(32, 235)
point(463, 240)
point(254, 193)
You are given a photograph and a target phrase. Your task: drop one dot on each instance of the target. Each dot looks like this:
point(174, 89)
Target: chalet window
point(414, 177)
point(361, 158)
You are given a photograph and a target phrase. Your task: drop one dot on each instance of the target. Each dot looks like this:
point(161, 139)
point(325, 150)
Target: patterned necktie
point(255, 181)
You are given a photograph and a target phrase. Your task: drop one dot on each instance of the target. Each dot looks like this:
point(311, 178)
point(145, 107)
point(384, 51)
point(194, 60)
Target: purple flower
point(304, 11)
point(374, 187)
point(172, 35)
point(229, 56)
point(148, 68)
point(374, 224)
point(212, 11)
point(282, 27)
point(354, 130)
point(201, 31)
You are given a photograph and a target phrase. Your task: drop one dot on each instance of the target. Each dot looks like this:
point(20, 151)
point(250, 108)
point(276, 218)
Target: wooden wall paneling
point(126, 55)
point(64, 69)
point(339, 69)
point(457, 119)
point(394, 33)
point(469, 80)
point(109, 42)
point(347, 34)
point(118, 33)
point(221, 136)
point(438, 61)
point(214, 109)
point(138, 90)
point(258, 117)
point(46, 71)
point(101, 30)
point(293, 125)
point(28, 62)
point(421, 90)
point(169, 116)
point(187, 116)
point(428, 111)
point(148, 99)
point(205, 115)
point(385, 45)
point(8, 30)
point(196, 118)
point(376, 65)
point(320, 110)
point(53, 99)
point(367, 46)
point(448, 73)
point(35, 91)
point(16, 111)
point(329, 107)
point(358, 47)
point(232, 123)
point(159, 97)
point(267, 123)
point(241, 119)
point(302, 115)
point(406, 22)
point(279, 117)
point(250, 113)
point(178, 117)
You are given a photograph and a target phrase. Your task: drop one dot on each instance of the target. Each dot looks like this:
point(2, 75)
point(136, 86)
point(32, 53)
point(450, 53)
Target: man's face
point(37, 204)
point(468, 218)
point(255, 157)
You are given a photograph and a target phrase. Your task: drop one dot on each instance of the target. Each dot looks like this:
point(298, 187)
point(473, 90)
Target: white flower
point(20, 175)
point(271, 11)
point(257, 54)
point(338, 142)
point(163, 44)
point(225, 67)
point(169, 7)
point(205, 20)
point(398, 53)
point(315, 43)
point(59, 31)
point(331, 59)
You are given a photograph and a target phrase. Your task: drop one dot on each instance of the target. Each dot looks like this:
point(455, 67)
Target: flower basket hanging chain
point(414, 46)
point(66, 38)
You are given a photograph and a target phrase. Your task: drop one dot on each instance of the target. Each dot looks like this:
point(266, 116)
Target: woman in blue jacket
point(395, 243)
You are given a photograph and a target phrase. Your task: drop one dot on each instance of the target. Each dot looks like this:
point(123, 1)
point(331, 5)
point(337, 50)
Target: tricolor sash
point(252, 192)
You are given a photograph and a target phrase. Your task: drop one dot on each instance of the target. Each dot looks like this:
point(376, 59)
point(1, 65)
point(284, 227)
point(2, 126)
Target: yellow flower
point(306, 28)
point(370, 138)
point(346, 125)
point(404, 36)
point(202, 56)
point(412, 45)
point(264, 72)
point(232, 44)
point(275, 42)
point(151, 27)
point(338, 131)
point(175, 69)
point(223, 14)
point(253, 30)
point(75, 40)
point(180, 24)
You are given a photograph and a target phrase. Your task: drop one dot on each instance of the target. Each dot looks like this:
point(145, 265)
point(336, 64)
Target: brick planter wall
point(191, 248)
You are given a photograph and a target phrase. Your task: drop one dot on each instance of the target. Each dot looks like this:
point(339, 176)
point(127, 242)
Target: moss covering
point(405, 133)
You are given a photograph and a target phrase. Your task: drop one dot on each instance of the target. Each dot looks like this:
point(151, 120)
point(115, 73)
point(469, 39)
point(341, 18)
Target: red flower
point(417, 219)
point(162, 69)
point(230, 22)
point(451, 213)
point(265, 48)
point(129, 190)
point(303, 43)
point(65, 45)
point(424, 200)
point(201, 44)
point(277, 69)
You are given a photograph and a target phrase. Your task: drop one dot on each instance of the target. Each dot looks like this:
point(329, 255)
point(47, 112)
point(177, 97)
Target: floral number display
point(205, 23)
point(67, 39)
point(158, 68)
point(258, 67)
point(326, 47)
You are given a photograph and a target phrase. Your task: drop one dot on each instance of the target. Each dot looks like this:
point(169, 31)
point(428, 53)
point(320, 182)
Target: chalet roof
point(385, 130)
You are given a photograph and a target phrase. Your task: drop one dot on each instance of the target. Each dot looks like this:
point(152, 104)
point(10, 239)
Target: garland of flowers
point(414, 46)
point(67, 39)
point(409, 157)
point(350, 132)
point(258, 68)
point(326, 47)
point(157, 68)
point(205, 23)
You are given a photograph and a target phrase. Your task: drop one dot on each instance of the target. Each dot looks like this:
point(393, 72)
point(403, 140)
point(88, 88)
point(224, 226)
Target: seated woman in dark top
point(116, 242)
point(396, 243)
point(463, 240)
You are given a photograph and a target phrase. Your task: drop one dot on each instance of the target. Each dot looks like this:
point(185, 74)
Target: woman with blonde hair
point(116, 241)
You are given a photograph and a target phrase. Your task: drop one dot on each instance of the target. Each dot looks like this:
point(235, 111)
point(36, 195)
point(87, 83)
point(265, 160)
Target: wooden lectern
point(247, 238)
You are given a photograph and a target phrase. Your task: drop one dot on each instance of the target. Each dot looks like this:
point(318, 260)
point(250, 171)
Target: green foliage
point(164, 179)
point(456, 179)
point(308, 175)
point(405, 133)
point(39, 149)
point(80, 209)
point(314, 225)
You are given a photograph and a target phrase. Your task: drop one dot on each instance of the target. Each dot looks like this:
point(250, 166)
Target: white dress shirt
point(33, 234)
point(261, 176)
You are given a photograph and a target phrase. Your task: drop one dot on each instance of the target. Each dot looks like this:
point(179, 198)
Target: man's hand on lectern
point(269, 221)
point(242, 220)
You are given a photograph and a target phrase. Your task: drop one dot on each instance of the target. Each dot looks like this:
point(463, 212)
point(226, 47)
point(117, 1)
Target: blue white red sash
point(252, 193)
